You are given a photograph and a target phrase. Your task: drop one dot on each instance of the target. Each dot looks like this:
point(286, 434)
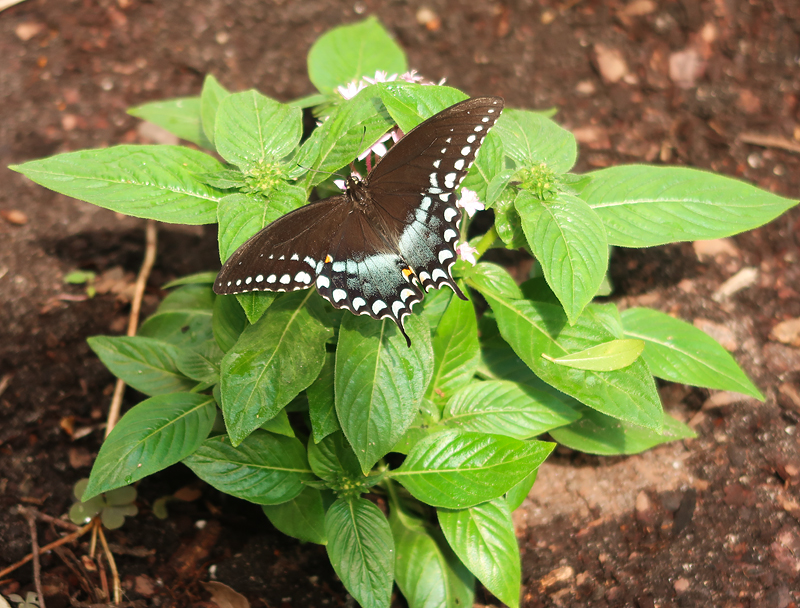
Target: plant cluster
point(283, 401)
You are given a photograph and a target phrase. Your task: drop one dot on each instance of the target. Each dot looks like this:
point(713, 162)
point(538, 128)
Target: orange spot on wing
point(328, 259)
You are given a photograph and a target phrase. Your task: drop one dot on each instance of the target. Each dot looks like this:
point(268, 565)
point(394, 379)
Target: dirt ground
point(711, 84)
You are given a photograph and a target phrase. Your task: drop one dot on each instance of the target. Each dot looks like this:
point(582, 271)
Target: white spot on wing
point(406, 293)
point(238, 282)
point(397, 306)
point(445, 197)
point(303, 277)
point(271, 278)
point(450, 180)
point(445, 254)
point(358, 303)
point(478, 129)
point(485, 119)
point(465, 150)
point(426, 203)
point(459, 164)
point(437, 162)
point(471, 138)
point(286, 279)
point(323, 282)
point(449, 214)
point(449, 235)
point(339, 266)
point(259, 278)
point(338, 294)
point(438, 272)
point(377, 306)
point(434, 182)
point(295, 257)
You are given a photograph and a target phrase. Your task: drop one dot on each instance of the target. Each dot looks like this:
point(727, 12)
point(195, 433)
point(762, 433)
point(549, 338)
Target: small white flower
point(378, 148)
point(467, 253)
point(380, 76)
point(469, 202)
point(351, 89)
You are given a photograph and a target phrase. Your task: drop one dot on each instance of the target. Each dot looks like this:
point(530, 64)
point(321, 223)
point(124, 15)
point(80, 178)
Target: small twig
point(4, 382)
point(113, 565)
point(78, 570)
point(768, 141)
point(37, 566)
point(133, 320)
point(67, 525)
point(103, 577)
point(64, 539)
point(93, 541)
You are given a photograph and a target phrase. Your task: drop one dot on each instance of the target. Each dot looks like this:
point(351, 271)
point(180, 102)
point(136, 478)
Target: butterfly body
point(374, 248)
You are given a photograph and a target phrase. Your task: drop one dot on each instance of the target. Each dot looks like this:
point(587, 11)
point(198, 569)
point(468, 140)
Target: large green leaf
point(530, 139)
point(155, 182)
point(483, 538)
point(536, 328)
point(353, 127)
point(333, 460)
point(183, 318)
point(146, 364)
point(303, 517)
point(596, 433)
point(266, 469)
point(228, 321)
point(380, 381)
point(568, 240)
point(321, 403)
point(456, 470)
point(213, 93)
point(427, 571)
point(180, 117)
point(487, 167)
point(151, 436)
point(361, 550)
point(253, 130)
point(410, 104)
point(506, 408)
point(643, 206)
point(271, 362)
point(348, 52)
point(456, 350)
point(677, 351)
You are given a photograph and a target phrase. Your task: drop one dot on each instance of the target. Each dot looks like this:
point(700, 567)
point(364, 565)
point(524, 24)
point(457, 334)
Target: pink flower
point(469, 202)
point(378, 148)
point(351, 89)
point(467, 253)
point(380, 76)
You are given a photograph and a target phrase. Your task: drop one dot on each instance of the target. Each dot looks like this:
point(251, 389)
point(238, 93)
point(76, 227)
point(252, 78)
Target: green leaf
point(241, 216)
point(530, 139)
point(380, 381)
point(348, 52)
point(456, 470)
point(568, 240)
point(516, 495)
point(456, 351)
point(201, 363)
point(605, 357)
point(426, 570)
point(279, 424)
point(333, 460)
point(494, 279)
point(302, 518)
point(146, 364)
point(321, 403)
point(508, 224)
point(487, 166)
point(434, 306)
point(677, 351)
point(505, 408)
point(155, 182)
point(228, 321)
point(534, 329)
point(643, 206)
point(271, 363)
point(483, 539)
point(361, 550)
point(213, 93)
point(253, 130)
point(255, 303)
point(199, 278)
point(265, 469)
point(79, 277)
point(410, 104)
point(151, 436)
point(183, 318)
point(353, 127)
point(180, 117)
point(596, 433)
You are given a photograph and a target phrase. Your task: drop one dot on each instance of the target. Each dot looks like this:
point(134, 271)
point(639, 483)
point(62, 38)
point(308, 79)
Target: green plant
point(112, 506)
point(321, 407)
point(82, 277)
point(31, 600)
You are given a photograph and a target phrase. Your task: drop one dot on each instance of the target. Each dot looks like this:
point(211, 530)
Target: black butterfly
point(374, 248)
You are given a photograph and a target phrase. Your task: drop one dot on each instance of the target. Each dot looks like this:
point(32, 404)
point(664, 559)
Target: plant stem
point(486, 241)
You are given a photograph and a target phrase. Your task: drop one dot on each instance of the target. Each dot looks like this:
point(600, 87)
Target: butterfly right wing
point(289, 253)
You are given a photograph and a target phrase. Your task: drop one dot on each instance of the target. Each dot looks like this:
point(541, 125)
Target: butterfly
point(374, 248)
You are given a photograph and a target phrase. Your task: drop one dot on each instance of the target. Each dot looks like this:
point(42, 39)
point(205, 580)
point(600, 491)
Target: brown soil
point(709, 522)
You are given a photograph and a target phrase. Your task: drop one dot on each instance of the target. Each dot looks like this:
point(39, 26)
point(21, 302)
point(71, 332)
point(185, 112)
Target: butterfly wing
point(289, 253)
point(413, 186)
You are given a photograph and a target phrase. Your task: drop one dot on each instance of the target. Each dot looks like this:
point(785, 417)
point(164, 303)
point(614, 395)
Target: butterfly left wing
point(286, 255)
point(413, 186)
